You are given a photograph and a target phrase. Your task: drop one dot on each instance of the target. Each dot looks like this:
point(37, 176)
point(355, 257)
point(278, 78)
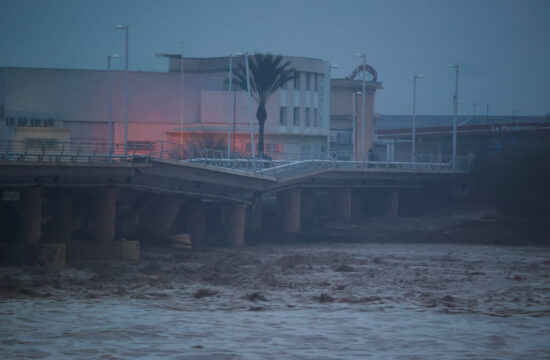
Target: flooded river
point(315, 301)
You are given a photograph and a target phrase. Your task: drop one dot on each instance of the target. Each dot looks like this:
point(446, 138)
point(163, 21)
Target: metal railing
point(279, 165)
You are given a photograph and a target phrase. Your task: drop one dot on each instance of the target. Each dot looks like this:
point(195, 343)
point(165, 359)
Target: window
point(285, 86)
point(282, 115)
point(308, 114)
point(296, 116)
point(140, 146)
point(308, 81)
point(273, 148)
point(316, 82)
point(297, 80)
point(316, 118)
point(34, 143)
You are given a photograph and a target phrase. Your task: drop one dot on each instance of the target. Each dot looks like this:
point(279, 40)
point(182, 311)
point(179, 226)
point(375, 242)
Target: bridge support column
point(290, 201)
point(159, 215)
point(62, 217)
point(254, 217)
point(308, 216)
point(392, 203)
point(195, 219)
point(343, 203)
point(234, 218)
point(357, 205)
point(31, 216)
point(104, 214)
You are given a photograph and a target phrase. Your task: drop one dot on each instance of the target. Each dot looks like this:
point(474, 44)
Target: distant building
point(72, 105)
point(346, 134)
point(393, 134)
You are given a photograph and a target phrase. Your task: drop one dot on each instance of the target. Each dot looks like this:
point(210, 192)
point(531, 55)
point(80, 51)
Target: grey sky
point(502, 47)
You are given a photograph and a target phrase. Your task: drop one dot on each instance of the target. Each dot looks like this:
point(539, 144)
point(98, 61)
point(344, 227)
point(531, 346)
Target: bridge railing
point(279, 164)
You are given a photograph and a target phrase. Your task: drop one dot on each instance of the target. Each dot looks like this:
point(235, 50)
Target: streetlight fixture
point(178, 56)
point(126, 29)
point(363, 78)
point(330, 67)
point(455, 111)
point(110, 120)
point(353, 120)
point(253, 145)
point(230, 89)
point(414, 118)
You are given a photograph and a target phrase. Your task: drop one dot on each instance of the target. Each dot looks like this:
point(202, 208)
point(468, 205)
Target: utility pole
point(455, 114)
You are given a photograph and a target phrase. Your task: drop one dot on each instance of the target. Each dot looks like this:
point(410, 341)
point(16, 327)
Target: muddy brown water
point(313, 301)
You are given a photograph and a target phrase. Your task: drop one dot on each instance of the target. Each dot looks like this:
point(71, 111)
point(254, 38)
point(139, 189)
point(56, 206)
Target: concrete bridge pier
point(392, 203)
point(62, 217)
point(254, 217)
point(309, 216)
point(195, 220)
point(289, 202)
point(357, 205)
point(234, 220)
point(342, 202)
point(158, 216)
point(31, 215)
point(104, 214)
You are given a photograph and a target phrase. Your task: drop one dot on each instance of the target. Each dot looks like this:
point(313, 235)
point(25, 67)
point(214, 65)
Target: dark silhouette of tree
point(267, 74)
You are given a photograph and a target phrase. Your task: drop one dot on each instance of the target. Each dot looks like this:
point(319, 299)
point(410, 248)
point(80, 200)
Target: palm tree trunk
point(261, 116)
point(261, 139)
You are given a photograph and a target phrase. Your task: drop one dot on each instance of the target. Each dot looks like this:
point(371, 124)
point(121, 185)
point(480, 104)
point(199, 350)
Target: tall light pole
point(110, 120)
point(178, 56)
point(414, 117)
point(253, 145)
point(330, 67)
point(455, 111)
point(353, 120)
point(364, 56)
point(230, 89)
point(126, 29)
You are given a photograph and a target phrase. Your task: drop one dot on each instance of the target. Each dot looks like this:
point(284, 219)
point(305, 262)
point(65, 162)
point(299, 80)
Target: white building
point(63, 105)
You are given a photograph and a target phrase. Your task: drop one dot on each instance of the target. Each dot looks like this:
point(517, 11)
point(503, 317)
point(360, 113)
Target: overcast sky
point(502, 47)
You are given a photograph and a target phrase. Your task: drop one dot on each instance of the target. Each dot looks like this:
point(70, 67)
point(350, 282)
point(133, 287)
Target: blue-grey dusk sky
point(502, 47)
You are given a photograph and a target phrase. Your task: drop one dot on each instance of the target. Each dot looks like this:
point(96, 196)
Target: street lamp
point(230, 89)
point(110, 121)
point(414, 117)
point(364, 56)
point(330, 67)
point(126, 29)
point(353, 120)
point(455, 111)
point(253, 146)
point(178, 56)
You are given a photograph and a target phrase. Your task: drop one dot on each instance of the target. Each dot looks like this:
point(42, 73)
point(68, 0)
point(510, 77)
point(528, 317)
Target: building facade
point(475, 135)
point(347, 134)
point(72, 105)
point(46, 106)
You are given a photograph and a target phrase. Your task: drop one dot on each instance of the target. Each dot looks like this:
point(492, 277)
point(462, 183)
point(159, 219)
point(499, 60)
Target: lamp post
point(364, 56)
point(110, 120)
point(414, 118)
point(455, 111)
point(353, 120)
point(178, 56)
point(330, 67)
point(230, 89)
point(253, 146)
point(126, 29)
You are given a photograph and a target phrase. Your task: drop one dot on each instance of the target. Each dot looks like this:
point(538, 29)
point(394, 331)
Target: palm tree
point(267, 74)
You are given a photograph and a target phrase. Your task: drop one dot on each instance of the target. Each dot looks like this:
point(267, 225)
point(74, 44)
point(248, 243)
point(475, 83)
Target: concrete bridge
point(79, 188)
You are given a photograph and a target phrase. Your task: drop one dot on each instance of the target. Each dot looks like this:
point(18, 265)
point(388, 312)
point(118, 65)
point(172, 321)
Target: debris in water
point(201, 293)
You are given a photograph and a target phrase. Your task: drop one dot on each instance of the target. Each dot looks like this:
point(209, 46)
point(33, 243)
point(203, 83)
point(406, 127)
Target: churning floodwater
point(315, 301)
